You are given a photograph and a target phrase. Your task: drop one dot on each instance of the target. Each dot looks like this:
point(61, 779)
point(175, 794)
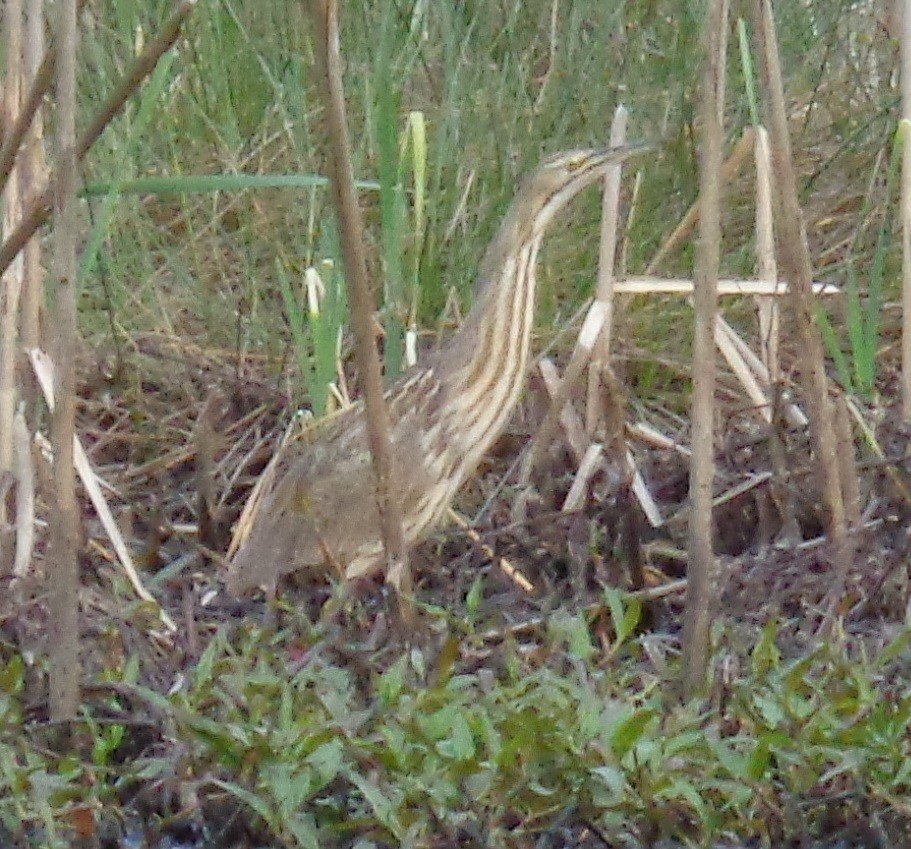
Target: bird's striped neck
point(498, 332)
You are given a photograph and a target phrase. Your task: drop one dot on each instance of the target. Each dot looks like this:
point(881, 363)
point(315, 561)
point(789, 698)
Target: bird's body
point(444, 413)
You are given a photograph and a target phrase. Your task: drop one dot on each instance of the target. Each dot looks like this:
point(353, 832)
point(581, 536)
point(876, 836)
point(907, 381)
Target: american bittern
point(444, 413)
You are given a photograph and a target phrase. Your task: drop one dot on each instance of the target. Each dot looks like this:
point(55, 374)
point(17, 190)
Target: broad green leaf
point(385, 808)
point(327, 760)
point(758, 762)
point(685, 790)
point(392, 681)
point(769, 709)
point(612, 778)
point(304, 829)
point(202, 674)
point(460, 744)
point(473, 599)
point(12, 678)
point(573, 629)
point(628, 733)
point(251, 800)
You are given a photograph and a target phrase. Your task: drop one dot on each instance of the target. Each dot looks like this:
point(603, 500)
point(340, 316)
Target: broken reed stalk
point(573, 429)
point(206, 500)
point(63, 571)
point(766, 264)
point(325, 18)
point(795, 261)
point(23, 280)
point(769, 332)
point(581, 355)
point(39, 210)
point(607, 252)
point(696, 620)
point(45, 373)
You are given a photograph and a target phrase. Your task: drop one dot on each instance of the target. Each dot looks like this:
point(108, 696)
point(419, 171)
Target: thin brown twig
point(142, 66)
point(511, 572)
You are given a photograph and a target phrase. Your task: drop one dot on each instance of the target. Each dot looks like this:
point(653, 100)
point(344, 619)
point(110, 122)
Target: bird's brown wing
point(322, 507)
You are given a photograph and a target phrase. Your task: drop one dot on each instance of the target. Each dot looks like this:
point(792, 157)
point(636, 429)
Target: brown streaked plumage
point(444, 413)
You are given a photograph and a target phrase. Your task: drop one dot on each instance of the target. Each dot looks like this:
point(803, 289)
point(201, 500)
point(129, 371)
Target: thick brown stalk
point(325, 17)
point(796, 268)
point(701, 567)
point(63, 571)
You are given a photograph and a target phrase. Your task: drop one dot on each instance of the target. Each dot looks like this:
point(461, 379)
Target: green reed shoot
point(857, 367)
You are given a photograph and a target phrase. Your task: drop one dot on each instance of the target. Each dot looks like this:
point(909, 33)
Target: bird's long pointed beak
point(611, 155)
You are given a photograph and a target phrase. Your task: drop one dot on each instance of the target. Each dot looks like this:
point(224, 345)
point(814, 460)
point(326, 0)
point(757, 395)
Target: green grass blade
point(855, 321)
point(385, 119)
point(326, 326)
point(298, 326)
point(416, 140)
point(878, 270)
point(195, 184)
point(746, 64)
point(830, 337)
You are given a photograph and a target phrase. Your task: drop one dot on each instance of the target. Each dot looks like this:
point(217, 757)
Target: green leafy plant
point(318, 755)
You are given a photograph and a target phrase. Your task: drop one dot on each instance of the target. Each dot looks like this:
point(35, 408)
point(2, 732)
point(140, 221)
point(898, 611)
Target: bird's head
point(560, 177)
point(545, 191)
